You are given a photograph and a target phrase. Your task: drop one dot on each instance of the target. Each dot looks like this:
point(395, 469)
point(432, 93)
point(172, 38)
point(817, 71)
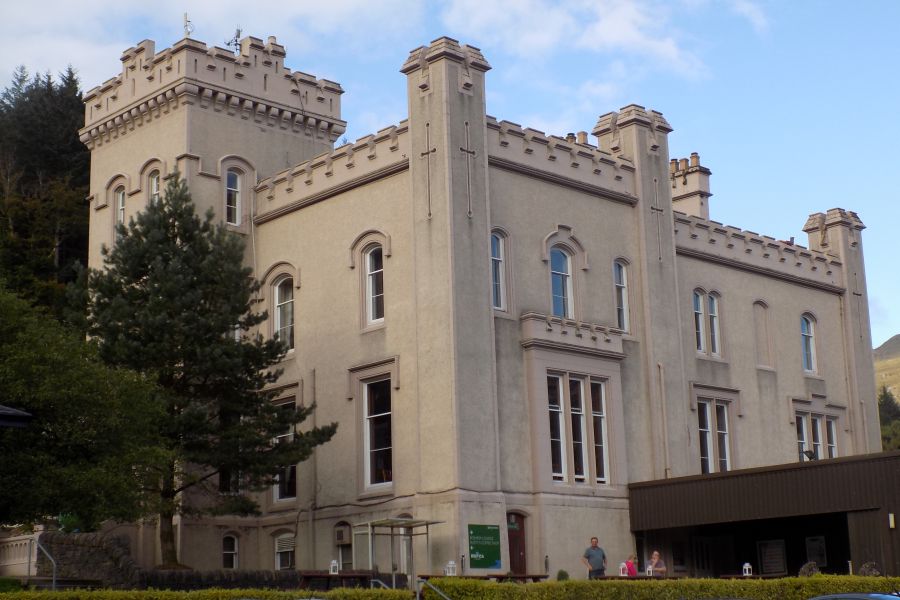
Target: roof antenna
point(235, 42)
point(188, 26)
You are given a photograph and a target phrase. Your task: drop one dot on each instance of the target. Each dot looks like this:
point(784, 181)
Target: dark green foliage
point(168, 303)
point(9, 585)
point(44, 173)
point(562, 575)
point(788, 588)
point(889, 416)
point(85, 452)
point(215, 594)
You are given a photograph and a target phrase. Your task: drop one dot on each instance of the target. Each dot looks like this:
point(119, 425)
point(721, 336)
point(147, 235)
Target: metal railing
point(47, 554)
point(423, 582)
point(373, 581)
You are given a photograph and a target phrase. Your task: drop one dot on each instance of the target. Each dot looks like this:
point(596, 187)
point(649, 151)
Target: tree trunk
point(166, 517)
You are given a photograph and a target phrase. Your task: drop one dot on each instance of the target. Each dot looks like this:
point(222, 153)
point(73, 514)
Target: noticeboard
point(484, 546)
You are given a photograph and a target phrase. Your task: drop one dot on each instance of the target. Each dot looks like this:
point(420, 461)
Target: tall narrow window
point(343, 540)
point(120, 208)
point(561, 282)
point(233, 197)
point(620, 277)
point(713, 305)
point(807, 340)
point(284, 551)
point(579, 433)
point(229, 552)
point(598, 422)
point(557, 427)
point(378, 439)
point(286, 486)
point(699, 328)
point(284, 311)
point(153, 180)
point(831, 438)
point(498, 279)
point(800, 420)
point(815, 429)
point(712, 418)
point(374, 258)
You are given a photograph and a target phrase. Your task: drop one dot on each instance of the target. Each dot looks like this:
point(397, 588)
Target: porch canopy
point(402, 528)
point(866, 488)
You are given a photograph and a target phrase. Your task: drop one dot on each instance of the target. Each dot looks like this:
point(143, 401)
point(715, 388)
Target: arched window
point(808, 343)
point(233, 197)
point(229, 552)
point(374, 260)
point(284, 551)
point(284, 311)
point(620, 278)
point(707, 323)
point(561, 282)
point(119, 196)
point(498, 272)
point(153, 181)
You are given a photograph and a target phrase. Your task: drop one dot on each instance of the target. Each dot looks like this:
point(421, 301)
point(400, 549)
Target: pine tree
point(888, 409)
point(175, 302)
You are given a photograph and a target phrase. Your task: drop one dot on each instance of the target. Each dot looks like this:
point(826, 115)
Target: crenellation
point(384, 151)
point(253, 84)
point(724, 243)
point(532, 150)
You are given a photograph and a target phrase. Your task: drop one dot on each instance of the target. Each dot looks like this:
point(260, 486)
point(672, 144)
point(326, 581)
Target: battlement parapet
point(533, 152)
point(608, 125)
point(370, 157)
point(714, 241)
point(255, 75)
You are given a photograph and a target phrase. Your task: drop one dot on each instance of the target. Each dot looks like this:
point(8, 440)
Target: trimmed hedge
point(337, 594)
point(788, 588)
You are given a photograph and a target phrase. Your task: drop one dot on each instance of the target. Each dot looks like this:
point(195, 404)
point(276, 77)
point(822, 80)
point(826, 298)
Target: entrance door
point(515, 525)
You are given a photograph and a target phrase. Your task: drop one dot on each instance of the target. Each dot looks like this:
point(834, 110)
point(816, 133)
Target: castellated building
point(521, 336)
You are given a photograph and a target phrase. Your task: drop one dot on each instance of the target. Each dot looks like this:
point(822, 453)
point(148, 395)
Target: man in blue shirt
point(595, 560)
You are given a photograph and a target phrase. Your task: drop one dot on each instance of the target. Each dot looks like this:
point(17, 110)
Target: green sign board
point(484, 546)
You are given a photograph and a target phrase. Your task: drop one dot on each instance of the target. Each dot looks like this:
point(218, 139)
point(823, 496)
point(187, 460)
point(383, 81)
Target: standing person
point(595, 560)
point(657, 564)
point(631, 565)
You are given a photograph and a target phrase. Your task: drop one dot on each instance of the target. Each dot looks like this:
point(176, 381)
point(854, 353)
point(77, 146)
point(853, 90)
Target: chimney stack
point(690, 186)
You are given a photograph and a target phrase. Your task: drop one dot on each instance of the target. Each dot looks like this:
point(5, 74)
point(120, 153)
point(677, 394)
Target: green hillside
point(887, 365)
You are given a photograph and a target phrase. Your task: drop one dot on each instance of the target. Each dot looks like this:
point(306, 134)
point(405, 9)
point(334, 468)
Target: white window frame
point(817, 433)
point(284, 309)
point(620, 283)
point(233, 192)
point(153, 183)
point(290, 470)
point(699, 312)
point(599, 423)
point(119, 197)
point(368, 418)
point(498, 271)
point(285, 548)
point(232, 554)
point(707, 315)
point(556, 414)
point(579, 431)
point(808, 343)
point(373, 276)
point(717, 435)
point(712, 305)
point(566, 284)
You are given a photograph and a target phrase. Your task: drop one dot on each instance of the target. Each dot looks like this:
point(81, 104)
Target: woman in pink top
point(631, 565)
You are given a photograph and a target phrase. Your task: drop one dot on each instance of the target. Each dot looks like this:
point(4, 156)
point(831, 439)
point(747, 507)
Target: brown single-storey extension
point(840, 513)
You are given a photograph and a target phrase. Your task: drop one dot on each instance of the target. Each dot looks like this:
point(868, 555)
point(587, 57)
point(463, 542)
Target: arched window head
point(374, 261)
point(808, 343)
point(498, 271)
point(699, 321)
point(620, 279)
point(154, 186)
point(284, 311)
point(561, 282)
point(229, 552)
point(233, 197)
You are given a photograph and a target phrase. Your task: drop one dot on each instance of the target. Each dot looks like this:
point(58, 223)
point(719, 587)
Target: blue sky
point(793, 105)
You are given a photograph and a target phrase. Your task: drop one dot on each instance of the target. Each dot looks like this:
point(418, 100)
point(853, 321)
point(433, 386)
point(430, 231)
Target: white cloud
point(753, 13)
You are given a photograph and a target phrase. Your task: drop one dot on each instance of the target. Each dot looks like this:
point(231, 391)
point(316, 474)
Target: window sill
point(711, 358)
point(814, 376)
point(370, 327)
point(502, 313)
point(766, 368)
point(375, 492)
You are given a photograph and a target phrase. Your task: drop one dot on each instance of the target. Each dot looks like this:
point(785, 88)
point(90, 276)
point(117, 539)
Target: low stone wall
point(90, 556)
